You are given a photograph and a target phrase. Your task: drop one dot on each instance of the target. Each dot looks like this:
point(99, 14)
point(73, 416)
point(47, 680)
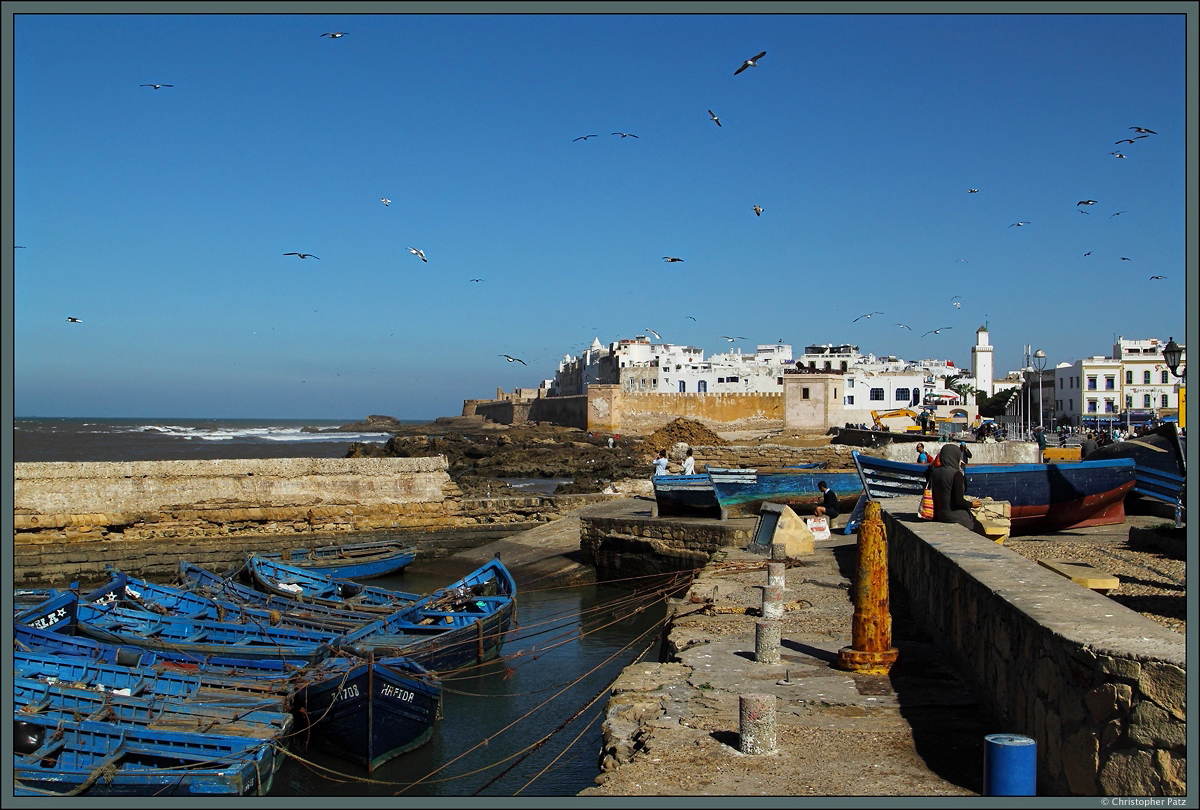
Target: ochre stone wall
point(836, 456)
point(612, 410)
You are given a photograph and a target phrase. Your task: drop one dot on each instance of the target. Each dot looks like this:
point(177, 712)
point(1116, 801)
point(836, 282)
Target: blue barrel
point(1009, 765)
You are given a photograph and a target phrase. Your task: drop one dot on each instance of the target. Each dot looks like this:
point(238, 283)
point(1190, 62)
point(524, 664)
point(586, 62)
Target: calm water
point(527, 724)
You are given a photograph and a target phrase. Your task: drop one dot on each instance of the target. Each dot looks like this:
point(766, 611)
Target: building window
point(1091, 383)
point(1110, 383)
point(1145, 377)
point(803, 393)
point(902, 395)
point(850, 383)
point(1091, 406)
point(1146, 399)
point(850, 400)
point(1164, 401)
point(702, 386)
point(1129, 400)
point(877, 395)
point(779, 380)
point(1129, 378)
point(1060, 382)
point(1108, 406)
point(682, 386)
point(731, 379)
point(1166, 380)
point(843, 366)
point(1071, 404)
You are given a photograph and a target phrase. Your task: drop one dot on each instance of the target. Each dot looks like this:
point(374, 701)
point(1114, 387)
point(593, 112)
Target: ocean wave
point(258, 434)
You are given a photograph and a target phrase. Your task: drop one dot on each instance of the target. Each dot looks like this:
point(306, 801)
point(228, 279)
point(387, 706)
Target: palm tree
point(961, 387)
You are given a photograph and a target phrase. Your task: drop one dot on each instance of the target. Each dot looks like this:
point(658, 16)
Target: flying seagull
point(1125, 258)
point(303, 255)
point(671, 259)
point(732, 339)
point(74, 320)
point(904, 326)
point(691, 317)
point(1018, 224)
point(714, 118)
point(1118, 213)
point(1143, 129)
point(1130, 140)
point(625, 134)
point(958, 304)
point(385, 201)
point(758, 209)
point(972, 191)
point(1089, 253)
point(335, 34)
point(1116, 154)
point(868, 315)
point(582, 138)
point(156, 86)
point(513, 359)
point(1152, 278)
point(474, 279)
point(656, 335)
point(937, 331)
point(751, 62)
point(418, 253)
point(1085, 202)
point(1080, 210)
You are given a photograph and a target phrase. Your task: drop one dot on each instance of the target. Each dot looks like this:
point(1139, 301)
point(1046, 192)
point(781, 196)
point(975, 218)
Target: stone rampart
point(835, 456)
point(1099, 687)
point(624, 547)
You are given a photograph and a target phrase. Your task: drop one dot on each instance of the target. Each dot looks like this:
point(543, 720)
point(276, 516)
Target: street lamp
point(1172, 355)
point(1039, 362)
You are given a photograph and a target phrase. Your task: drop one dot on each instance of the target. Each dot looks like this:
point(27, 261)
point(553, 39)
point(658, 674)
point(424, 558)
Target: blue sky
point(160, 217)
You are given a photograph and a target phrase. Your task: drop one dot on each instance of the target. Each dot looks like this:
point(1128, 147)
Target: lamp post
point(1039, 362)
point(1173, 355)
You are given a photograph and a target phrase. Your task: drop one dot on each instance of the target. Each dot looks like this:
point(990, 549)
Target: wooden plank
point(1082, 574)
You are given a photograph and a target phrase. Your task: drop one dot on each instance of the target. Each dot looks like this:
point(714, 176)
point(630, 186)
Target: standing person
point(922, 456)
point(964, 453)
point(1040, 438)
point(689, 463)
point(948, 484)
point(660, 463)
point(1088, 447)
point(829, 501)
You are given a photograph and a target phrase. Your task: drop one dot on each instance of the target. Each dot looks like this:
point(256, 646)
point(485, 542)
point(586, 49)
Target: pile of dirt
point(690, 432)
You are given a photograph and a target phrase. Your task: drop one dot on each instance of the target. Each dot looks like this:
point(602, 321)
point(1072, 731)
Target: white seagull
point(74, 320)
point(513, 359)
point(751, 62)
point(335, 34)
point(868, 315)
point(1143, 129)
point(656, 335)
point(386, 202)
point(904, 326)
point(625, 134)
point(418, 253)
point(972, 191)
point(732, 339)
point(1152, 278)
point(582, 138)
point(671, 259)
point(937, 331)
point(1116, 154)
point(758, 209)
point(1086, 202)
point(303, 255)
point(714, 118)
point(1018, 224)
point(156, 86)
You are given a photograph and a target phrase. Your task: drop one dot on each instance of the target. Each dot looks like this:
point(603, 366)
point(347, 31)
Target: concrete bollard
point(766, 641)
point(776, 574)
point(778, 551)
point(772, 601)
point(756, 717)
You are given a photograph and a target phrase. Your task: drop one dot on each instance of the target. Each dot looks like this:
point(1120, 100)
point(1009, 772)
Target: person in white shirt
point(689, 464)
point(660, 463)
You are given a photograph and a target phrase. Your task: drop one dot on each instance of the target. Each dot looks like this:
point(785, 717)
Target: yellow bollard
point(871, 651)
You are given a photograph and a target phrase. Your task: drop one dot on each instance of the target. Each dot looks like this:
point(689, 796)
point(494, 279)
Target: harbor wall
point(1099, 687)
point(71, 519)
point(613, 410)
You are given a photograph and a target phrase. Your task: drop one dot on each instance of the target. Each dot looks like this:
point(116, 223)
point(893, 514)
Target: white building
point(1132, 386)
point(982, 363)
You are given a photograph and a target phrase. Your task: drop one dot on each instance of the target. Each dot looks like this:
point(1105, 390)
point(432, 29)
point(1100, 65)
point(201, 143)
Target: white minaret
point(981, 362)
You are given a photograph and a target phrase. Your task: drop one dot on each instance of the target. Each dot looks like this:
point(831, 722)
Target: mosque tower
point(981, 362)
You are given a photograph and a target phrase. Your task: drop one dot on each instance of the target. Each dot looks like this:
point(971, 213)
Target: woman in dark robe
point(948, 484)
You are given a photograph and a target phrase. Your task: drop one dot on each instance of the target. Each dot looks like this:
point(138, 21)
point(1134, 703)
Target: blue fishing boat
point(61, 757)
point(1160, 460)
point(685, 495)
point(350, 560)
point(452, 628)
point(1042, 497)
point(310, 586)
point(741, 492)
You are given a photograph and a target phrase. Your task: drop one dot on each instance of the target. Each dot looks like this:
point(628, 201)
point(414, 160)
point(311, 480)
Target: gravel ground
point(1153, 577)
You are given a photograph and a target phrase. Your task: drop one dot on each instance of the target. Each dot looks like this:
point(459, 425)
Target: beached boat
point(685, 495)
point(1042, 497)
point(742, 492)
point(62, 757)
point(458, 626)
point(350, 560)
point(1160, 459)
point(303, 585)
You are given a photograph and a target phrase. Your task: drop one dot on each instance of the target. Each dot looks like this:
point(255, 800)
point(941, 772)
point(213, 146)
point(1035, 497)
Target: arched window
point(902, 395)
point(877, 395)
point(1145, 378)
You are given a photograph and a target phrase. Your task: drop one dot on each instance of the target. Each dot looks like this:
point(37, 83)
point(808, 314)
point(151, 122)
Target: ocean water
point(106, 439)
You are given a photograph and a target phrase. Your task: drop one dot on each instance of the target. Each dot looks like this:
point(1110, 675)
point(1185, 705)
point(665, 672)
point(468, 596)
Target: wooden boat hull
point(1160, 462)
point(685, 495)
point(742, 492)
point(303, 585)
point(1042, 497)
point(350, 560)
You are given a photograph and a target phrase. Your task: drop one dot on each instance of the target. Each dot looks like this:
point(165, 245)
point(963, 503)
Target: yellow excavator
point(915, 427)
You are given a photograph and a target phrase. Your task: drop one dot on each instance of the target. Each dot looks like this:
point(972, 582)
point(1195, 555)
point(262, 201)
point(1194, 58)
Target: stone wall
point(772, 455)
point(626, 547)
point(565, 411)
point(1098, 686)
point(613, 410)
